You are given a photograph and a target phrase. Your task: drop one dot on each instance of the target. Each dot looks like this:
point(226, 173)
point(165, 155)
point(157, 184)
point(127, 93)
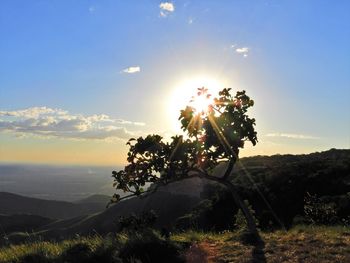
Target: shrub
point(134, 223)
point(319, 212)
point(150, 248)
point(77, 253)
point(35, 258)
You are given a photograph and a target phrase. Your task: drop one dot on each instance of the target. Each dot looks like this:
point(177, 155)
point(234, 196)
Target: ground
point(300, 244)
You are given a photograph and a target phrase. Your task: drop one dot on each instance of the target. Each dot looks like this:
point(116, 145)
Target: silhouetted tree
point(214, 136)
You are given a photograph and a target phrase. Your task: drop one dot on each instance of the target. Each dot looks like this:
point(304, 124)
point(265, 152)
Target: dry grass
point(50, 250)
point(300, 244)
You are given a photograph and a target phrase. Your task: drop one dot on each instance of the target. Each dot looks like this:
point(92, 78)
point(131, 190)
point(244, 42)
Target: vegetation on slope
point(283, 190)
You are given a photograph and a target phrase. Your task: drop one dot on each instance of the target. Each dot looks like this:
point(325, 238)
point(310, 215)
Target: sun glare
point(201, 102)
point(185, 93)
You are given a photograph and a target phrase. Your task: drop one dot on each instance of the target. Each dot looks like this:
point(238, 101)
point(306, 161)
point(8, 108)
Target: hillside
point(167, 206)
point(285, 180)
point(17, 204)
point(282, 181)
point(22, 223)
point(278, 188)
point(95, 199)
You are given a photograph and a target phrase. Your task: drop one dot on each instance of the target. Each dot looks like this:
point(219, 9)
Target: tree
point(214, 134)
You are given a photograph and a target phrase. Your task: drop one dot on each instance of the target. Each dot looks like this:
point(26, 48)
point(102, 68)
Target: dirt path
point(203, 252)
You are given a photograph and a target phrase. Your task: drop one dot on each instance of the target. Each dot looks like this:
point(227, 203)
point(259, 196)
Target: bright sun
point(185, 93)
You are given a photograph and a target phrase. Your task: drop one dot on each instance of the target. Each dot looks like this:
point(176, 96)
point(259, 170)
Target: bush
point(214, 214)
point(77, 253)
point(34, 258)
point(319, 212)
point(150, 248)
point(134, 223)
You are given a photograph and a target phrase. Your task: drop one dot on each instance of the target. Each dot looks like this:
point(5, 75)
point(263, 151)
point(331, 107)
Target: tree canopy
point(213, 135)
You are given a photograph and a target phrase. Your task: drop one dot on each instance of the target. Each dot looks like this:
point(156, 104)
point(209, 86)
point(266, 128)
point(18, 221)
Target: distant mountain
point(17, 204)
point(167, 206)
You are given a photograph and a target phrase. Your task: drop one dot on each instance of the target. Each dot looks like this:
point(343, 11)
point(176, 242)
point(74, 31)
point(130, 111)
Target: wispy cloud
point(131, 70)
point(49, 122)
point(166, 8)
point(33, 112)
point(292, 136)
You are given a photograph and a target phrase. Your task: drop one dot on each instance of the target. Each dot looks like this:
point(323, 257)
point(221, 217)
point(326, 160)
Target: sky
point(78, 78)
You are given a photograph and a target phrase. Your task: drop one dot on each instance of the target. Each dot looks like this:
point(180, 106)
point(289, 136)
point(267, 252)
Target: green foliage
point(222, 130)
point(134, 223)
point(240, 222)
point(149, 248)
point(212, 137)
point(284, 181)
point(319, 212)
point(213, 214)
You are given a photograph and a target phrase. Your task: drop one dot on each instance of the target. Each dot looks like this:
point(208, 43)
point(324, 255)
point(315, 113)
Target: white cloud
point(132, 70)
point(48, 122)
point(293, 136)
point(166, 8)
point(242, 50)
point(190, 20)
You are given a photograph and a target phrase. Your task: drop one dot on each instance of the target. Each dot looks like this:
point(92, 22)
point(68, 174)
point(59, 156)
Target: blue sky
point(66, 95)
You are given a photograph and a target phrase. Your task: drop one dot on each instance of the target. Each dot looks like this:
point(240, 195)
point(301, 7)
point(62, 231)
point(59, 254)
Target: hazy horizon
point(121, 166)
point(56, 182)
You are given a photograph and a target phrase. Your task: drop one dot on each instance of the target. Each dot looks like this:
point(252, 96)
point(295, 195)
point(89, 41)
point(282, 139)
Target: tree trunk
point(238, 200)
point(246, 212)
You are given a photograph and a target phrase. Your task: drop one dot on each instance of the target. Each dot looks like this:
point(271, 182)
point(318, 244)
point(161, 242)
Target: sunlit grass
point(51, 250)
point(299, 244)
